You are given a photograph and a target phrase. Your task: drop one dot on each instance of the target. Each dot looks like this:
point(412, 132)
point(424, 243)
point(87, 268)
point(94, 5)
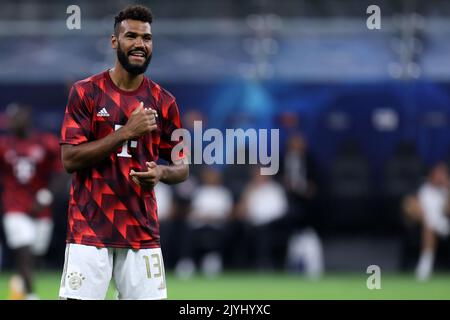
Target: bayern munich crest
point(75, 280)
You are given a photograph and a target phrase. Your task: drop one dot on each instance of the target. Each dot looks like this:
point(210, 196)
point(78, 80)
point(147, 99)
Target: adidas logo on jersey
point(103, 113)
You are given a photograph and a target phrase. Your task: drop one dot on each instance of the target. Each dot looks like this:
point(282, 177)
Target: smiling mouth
point(137, 54)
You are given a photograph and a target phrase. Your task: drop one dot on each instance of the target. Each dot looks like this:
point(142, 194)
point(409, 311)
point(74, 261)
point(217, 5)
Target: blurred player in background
point(263, 208)
point(205, 238)
point(116, 126)
point(434, 200)
point(28, 160)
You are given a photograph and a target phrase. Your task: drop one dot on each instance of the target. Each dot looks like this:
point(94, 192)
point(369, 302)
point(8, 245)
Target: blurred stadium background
point(373, 107)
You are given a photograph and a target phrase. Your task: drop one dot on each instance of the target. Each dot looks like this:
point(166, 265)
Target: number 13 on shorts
point(155, 267)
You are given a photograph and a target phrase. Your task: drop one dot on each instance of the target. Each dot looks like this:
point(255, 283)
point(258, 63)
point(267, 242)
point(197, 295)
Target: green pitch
point(232, 286)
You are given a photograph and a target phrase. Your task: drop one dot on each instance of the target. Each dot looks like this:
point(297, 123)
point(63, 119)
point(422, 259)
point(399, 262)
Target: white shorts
point(22, 230)
point(138, 274)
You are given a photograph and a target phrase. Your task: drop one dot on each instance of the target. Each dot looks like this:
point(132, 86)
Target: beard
point(134, 69)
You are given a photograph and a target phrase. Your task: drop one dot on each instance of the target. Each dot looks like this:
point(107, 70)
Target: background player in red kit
point(28, 161)
point(116, 126)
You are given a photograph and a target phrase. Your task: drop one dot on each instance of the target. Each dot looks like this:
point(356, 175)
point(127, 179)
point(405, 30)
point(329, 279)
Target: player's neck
point(125, 80)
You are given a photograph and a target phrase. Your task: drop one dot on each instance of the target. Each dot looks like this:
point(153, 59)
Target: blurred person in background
point(204, 240)
point(28, 161)
point(289, 124)
point(299, 178)
point(176, 225)
point(433, 198)
point(298, 174)
point(263, 208)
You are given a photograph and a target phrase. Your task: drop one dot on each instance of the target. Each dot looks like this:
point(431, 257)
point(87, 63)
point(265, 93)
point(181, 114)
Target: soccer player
point(28, 161)
point(116, 126)
point(433, 198)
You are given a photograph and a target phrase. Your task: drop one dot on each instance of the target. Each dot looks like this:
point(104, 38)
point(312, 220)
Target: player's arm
point(174, 173)
point(77, 157)
point(170, 174)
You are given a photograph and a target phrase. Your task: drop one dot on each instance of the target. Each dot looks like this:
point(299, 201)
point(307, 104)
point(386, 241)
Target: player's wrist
point(162, 172)
point(124, 134)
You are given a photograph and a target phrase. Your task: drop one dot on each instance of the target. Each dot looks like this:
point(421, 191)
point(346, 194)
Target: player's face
point(443, 175)
point(134, 46)
point(297, 143)
point(20, 120)
point(440, 175)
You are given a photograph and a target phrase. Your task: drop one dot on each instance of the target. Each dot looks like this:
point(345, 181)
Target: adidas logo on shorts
point(103, 113)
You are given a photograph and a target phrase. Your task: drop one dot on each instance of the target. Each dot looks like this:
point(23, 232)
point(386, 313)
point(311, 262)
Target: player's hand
point(147, 179)
point(141, 122)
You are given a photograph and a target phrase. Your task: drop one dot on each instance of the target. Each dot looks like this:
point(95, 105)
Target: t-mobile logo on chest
point(133, 144)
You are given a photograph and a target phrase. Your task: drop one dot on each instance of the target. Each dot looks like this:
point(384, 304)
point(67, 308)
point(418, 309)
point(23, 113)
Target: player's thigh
point(19, 229)
point(139, 274)
point(87, 272)
point(44, 228)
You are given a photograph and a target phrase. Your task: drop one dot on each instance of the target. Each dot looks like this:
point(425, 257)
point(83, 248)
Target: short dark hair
point(133, 12)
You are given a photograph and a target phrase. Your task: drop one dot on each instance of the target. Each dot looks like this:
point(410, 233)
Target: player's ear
point(114, 41)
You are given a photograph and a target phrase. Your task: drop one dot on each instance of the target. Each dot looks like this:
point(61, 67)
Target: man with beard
point(117, 125)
